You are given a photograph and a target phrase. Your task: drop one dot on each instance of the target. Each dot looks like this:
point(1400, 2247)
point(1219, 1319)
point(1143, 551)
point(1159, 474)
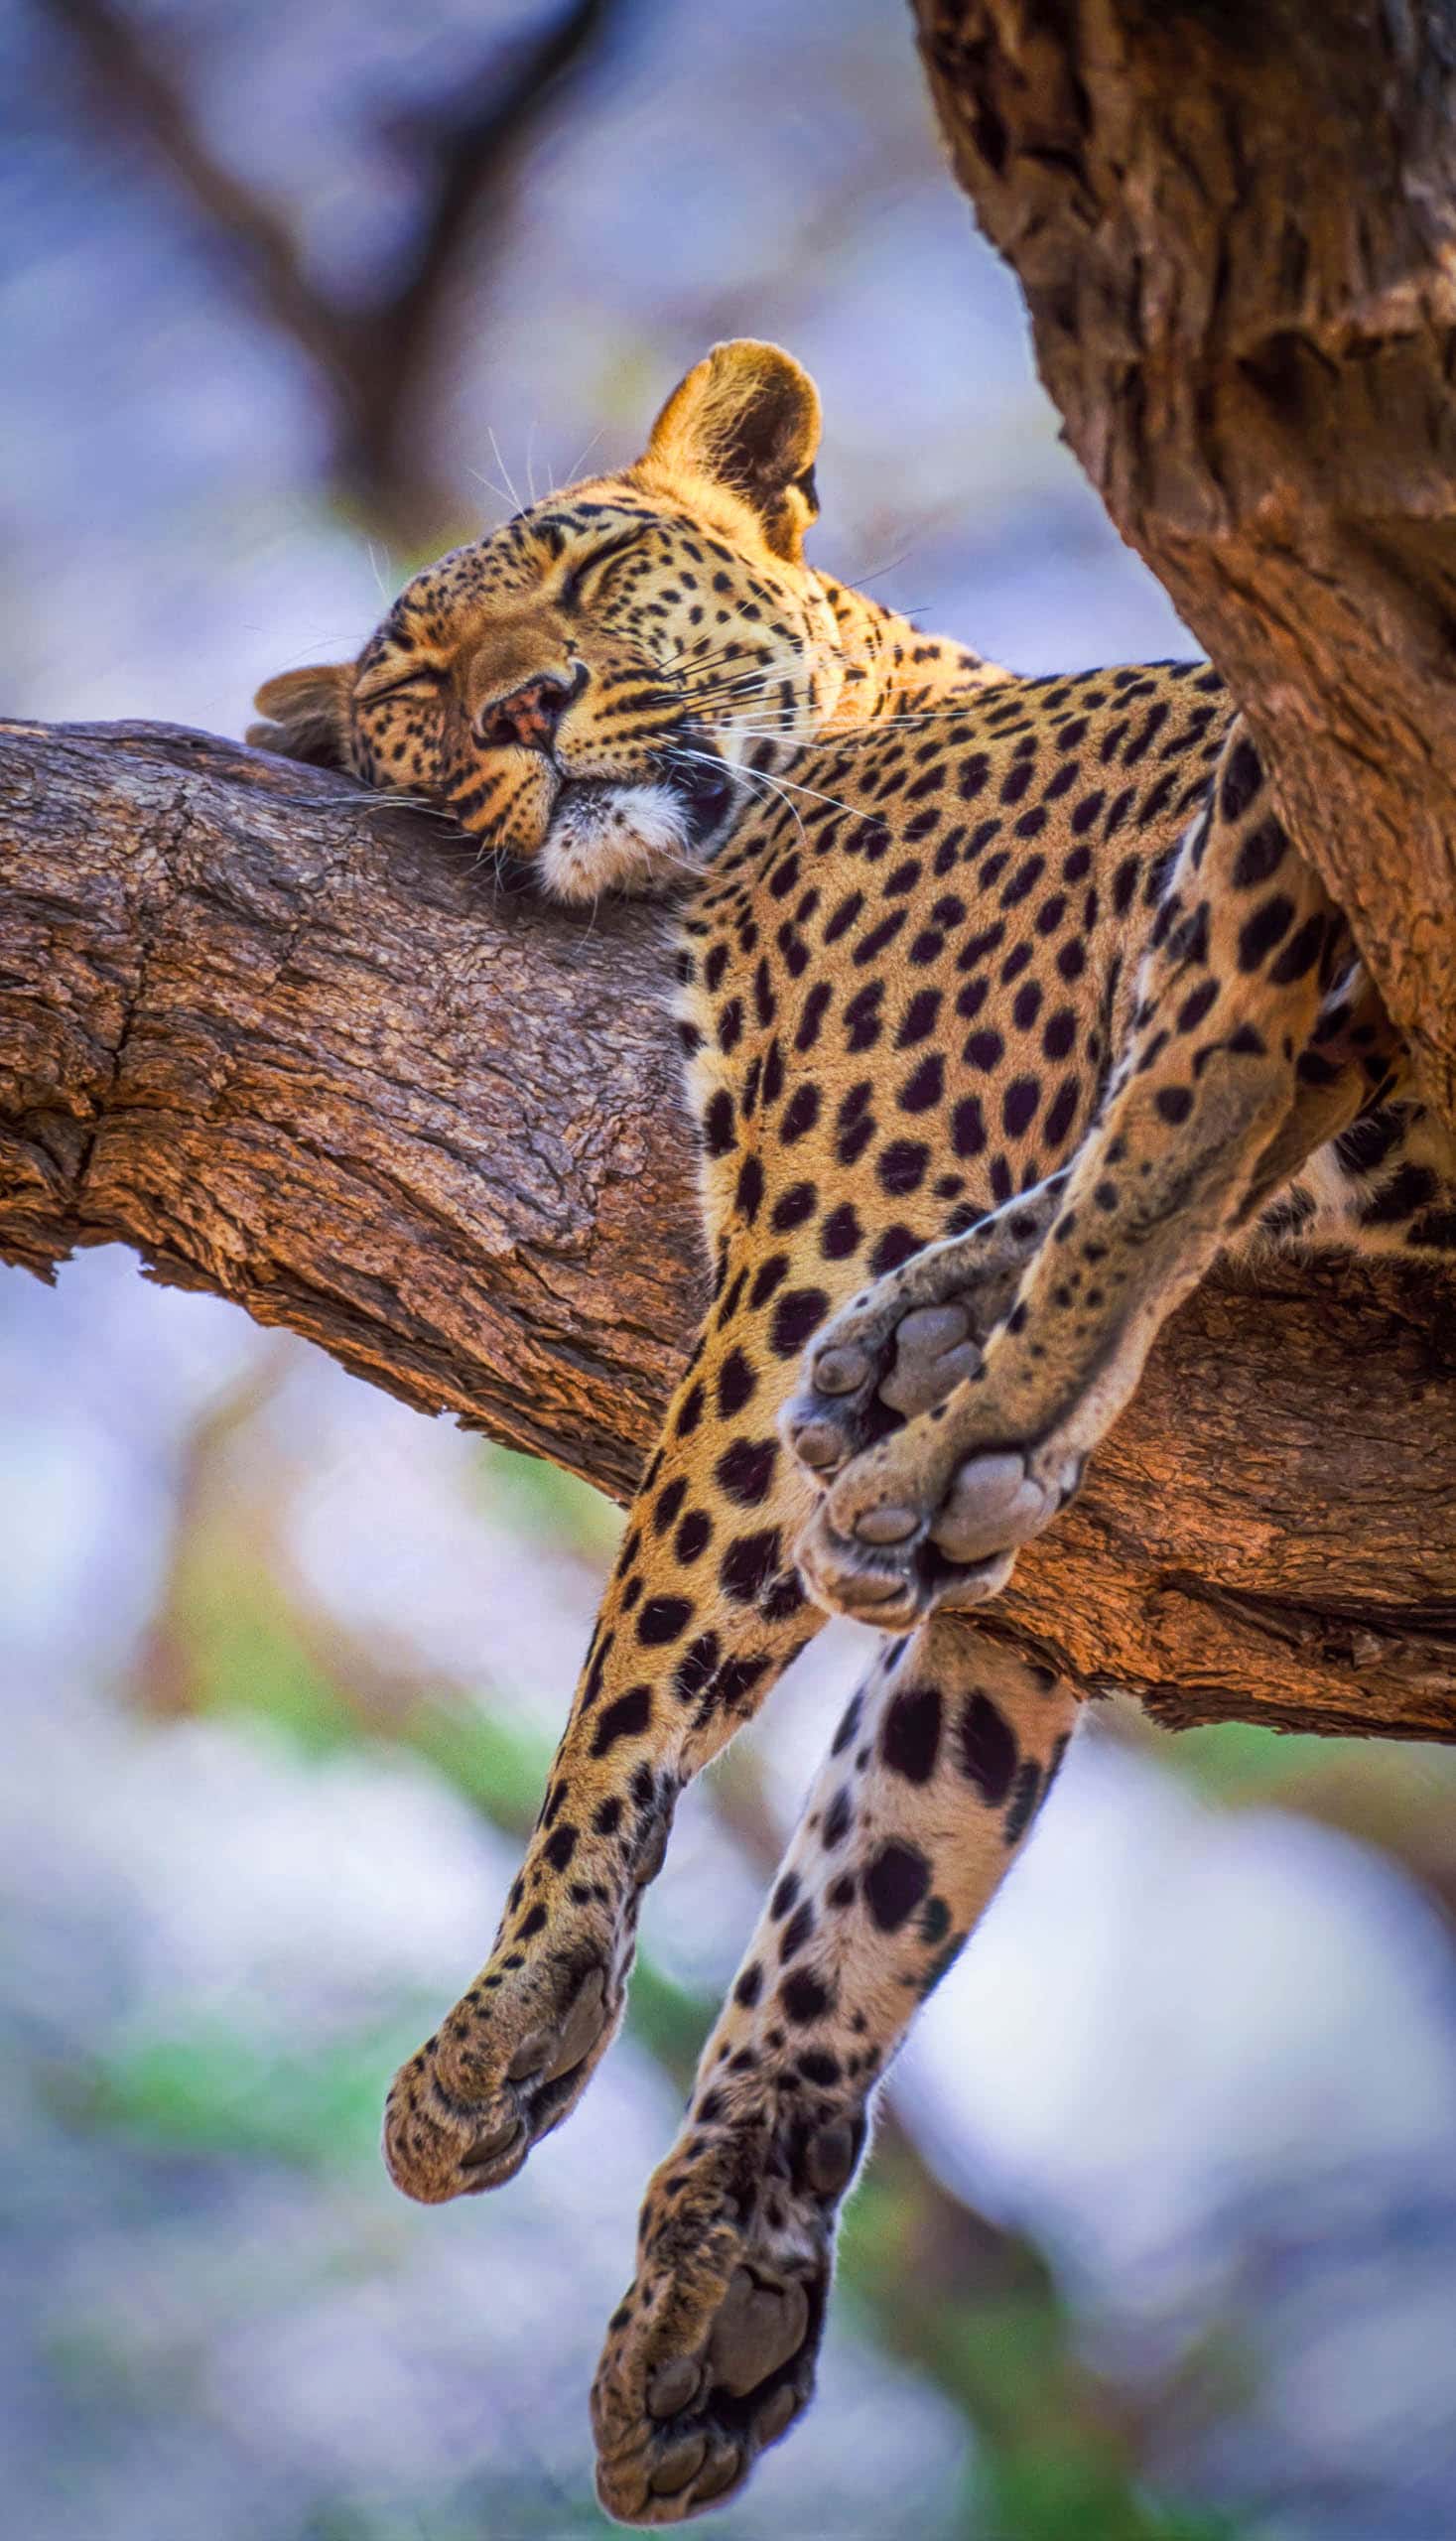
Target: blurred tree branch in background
point(373, 359)
point(296, 1046)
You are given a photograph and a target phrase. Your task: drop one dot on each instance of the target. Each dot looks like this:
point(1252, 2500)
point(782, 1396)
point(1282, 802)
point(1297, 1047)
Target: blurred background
point(1159, 2240)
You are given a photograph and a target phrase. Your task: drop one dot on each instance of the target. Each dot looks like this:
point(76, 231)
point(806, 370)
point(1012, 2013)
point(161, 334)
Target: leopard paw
point(711, 2355)
point(903, 1345)
point(918, 1523)
point(502, 2070)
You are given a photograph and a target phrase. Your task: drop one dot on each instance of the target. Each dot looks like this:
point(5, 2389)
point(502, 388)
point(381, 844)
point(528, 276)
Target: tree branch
point(1235, 226)
point(285, 1041)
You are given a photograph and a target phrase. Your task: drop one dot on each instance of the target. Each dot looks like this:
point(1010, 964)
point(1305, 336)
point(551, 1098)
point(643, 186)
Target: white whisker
point(514, 497)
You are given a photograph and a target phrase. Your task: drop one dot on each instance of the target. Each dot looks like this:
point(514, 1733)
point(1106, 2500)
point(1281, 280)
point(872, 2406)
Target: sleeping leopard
point(1006, 1005)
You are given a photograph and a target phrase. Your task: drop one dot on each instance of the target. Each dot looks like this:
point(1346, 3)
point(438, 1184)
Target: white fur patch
point(613, 838)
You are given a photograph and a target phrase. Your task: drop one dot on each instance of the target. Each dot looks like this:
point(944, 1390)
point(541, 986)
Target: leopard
point(1006, 1005)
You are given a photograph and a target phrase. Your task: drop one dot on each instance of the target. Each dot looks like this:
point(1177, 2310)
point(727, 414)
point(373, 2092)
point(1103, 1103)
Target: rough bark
point(1235, 225)
point(290, 1044)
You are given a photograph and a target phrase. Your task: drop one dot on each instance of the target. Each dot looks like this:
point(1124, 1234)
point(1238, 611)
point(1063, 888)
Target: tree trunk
point(290, 1043)
point(1235, 225)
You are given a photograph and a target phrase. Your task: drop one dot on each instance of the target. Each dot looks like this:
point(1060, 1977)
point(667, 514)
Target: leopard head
point(586, 689)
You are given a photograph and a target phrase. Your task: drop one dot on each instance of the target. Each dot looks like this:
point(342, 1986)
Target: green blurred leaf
point(547, 1506)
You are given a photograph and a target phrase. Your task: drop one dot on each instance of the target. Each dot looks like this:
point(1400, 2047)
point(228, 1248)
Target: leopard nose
point(527, 718)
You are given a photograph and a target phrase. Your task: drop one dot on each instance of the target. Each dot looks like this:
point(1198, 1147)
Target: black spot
point(923, 1089)
point(879, 937)
point(1434, 1230)
point(919, 1019)
point(628, 1717)
point(803, 1997)
point(734, 1683)
point(749, 1986)
point(797, 1204)
point(595, 1672)
point(820, 2067)
point(1018, 1106)
point(799, 1312)
point(1300, 954)
point(895, 1245)
point(1026, 879)
point(1270, 924)
point(987, 1748)
point(983, 1050)
point(813, 1016)
point(845, 1733)
point(748, 1196)
point(967, 1126)
point(746, 1472)
point(736, 1383)
point(691, 1675)
point(718, 1124)
point(863, 1027)
point(1412, 1188)
point(801, 1113)
point(1367, 1142)
point(1260, 854)
point(1196, 1005)
point(900, 1166)
point(693, 1537)
point(1023, 1801)
point(1061, 1112)
point(910, 1739)
point(768, 1277)
point(690, 1412)
point(844, 917)
point(1241, 781)
point(662, 1619)
point(1173, 1103)
point(836, 1821)
point(894, 1884)
point(1125, 885)
point(560, 1847)
point(749, 1565)
point(840, 1233)
point(785, 1897)
point(798, 1931)
point(609, 1815)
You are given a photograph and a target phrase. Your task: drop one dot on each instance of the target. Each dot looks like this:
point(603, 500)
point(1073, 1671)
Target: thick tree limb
point(285, 1040)
point(1234, 224)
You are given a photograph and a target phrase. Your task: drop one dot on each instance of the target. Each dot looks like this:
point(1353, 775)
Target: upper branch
point(1235, 230)
point(290, 1043)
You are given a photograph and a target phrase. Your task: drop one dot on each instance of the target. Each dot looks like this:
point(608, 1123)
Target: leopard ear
point(747, 419)
point(308, 714)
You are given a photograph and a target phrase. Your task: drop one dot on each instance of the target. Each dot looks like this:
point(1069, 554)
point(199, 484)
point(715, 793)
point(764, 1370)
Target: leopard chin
point(654, 836)
point(606, 837)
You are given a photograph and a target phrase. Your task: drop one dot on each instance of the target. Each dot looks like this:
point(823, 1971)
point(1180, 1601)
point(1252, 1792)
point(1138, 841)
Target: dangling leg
point(701, 1616)
point(934, 1778)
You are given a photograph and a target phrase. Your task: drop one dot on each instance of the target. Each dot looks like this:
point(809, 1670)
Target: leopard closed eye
point(1006, 1005)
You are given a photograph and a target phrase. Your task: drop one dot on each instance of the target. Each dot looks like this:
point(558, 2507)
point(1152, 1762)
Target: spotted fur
point(1004, 1005)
